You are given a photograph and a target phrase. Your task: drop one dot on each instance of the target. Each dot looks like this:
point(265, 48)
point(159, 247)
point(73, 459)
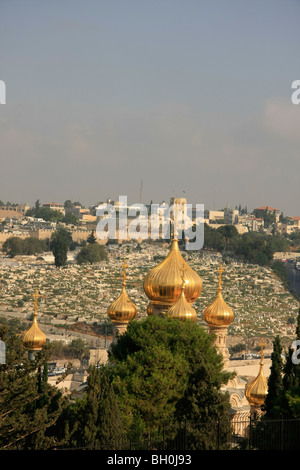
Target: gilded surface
point(122, 310)
point(182, 309)
point(34, 338)
point(256, 391)
point(218, 313)
point(162, 284)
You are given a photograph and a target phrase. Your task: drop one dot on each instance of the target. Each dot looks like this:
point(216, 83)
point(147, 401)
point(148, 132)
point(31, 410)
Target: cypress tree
point(289, 378)
point(110, 423)
point(91, 238)
point(28, 406)
point(60, 243)
point(275, 381)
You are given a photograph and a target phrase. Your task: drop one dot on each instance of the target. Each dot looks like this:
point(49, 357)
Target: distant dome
point(122, 310)
point(218, 313)
point(257, 390)
point(34, 338)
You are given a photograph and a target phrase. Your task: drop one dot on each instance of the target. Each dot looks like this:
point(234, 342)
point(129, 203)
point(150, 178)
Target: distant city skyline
point(192, 98)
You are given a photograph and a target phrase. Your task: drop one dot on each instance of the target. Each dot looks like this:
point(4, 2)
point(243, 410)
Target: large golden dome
point(182, 309)
point(34, 338)
point(162, 284)
point(122, 310)
point(218, 313)
point(257, 390)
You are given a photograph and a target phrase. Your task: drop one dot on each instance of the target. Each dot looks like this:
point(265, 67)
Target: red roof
point(263, 208)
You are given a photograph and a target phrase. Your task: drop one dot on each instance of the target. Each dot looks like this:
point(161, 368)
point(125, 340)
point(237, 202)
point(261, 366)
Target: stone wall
point(44, 234)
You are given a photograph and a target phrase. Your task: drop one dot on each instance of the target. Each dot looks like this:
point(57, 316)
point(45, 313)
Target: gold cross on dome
point(262, 344)
point(220, 271)
point(36, 296)
point(125, 265)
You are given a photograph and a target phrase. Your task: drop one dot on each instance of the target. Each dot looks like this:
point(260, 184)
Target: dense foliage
point(168, 372)
point(161, 374)
point(14, 246)
point(60, 243)
point(283, 400)
point(51, 215)
point(76, 349)
point(92, 253)
point(249, 247)
point(29, 406)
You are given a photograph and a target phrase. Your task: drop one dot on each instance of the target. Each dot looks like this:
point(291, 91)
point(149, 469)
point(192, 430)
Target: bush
point(28, 246)
point(93, 253)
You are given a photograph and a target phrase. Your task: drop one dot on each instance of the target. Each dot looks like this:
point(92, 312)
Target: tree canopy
point(29, 406)
point(60, 243)
point(92, 253)
point(14, 246)
point(167, 372)
point(250, 247)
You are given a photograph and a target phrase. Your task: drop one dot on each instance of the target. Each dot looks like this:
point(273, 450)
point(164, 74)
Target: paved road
point(293, 277)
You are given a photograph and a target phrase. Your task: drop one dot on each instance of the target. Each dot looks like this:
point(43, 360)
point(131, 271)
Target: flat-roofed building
point(55, 207)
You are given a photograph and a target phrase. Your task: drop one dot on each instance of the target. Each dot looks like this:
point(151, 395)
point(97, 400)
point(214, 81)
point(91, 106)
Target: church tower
point(34, 338)
point(218, 316)
point(122, 310)
point(256, 391)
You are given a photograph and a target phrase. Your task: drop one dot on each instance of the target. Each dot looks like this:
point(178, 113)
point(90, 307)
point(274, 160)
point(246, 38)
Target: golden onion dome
point(182, 309)
point(34, 338)
point(218, 313)
point(122, 310)
point(162, 284)
point(257, 390)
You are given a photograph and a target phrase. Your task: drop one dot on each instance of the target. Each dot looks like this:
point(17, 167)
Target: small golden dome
point(218, 313)
point(34, 338)
point(162, 284)
point(257, 390)
point(182, 309)
point(122, 310)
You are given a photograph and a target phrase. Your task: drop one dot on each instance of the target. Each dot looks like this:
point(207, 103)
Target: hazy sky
point(191, 97)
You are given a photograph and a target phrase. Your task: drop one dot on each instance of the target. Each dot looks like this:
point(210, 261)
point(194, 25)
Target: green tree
point(28, 246)
point(12, 246)
point(29, 406)
point(60, 243)
point(281, 271)
point(168, 372)
point(70, 219)
point(275, 381)
point(93, 253)
point(289, 371)
point(45, 213)
point(91, 238)
point(94, 421)
point(68, 204)
point(78, 348)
